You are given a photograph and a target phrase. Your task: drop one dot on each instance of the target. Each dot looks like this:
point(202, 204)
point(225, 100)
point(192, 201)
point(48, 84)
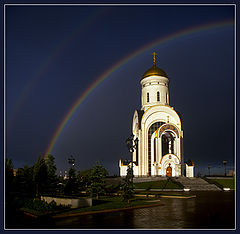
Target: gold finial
point(154, 58)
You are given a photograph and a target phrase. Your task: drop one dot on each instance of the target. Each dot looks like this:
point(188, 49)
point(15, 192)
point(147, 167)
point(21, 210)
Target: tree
point(51, 173)
point(40, 175)
point(127, 186)
point(10, 187)
point(71, 185)
point(9, 178)
point(83, 179)
point(24, 181)
point(96, 180)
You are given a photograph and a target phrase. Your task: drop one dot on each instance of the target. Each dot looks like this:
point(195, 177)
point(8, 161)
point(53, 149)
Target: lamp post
point(132, 144)
point(225, 163)
point(71, 161)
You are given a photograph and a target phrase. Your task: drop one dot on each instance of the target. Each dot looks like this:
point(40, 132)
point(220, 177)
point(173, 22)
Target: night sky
point(55, 53)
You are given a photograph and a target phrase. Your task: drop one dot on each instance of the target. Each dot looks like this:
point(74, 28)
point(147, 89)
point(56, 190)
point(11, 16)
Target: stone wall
point(73, 202)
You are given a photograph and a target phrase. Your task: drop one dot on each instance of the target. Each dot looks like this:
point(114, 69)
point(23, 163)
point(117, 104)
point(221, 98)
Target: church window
point(165, 148)
point(158, 96)
point(151, 130)
point(147, 97)
point(168, 140)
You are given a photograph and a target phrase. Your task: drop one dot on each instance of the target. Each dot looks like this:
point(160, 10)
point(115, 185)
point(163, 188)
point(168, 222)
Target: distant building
point(15, 172)
point(189, 168)
point(231, 173)
point(65, 175)
point(157, 129)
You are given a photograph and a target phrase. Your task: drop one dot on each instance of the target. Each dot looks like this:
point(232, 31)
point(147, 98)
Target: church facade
point(157, 130)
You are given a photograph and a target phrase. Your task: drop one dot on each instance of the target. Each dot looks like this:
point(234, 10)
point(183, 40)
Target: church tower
point(154, 87)
point(157, 129)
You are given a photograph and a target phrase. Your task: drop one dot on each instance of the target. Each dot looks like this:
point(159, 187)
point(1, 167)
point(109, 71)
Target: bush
point(42, 206)
point(109, 189)
point(127, 186)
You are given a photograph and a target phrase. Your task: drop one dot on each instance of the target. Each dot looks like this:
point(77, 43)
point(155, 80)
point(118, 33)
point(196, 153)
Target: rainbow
point(84, 24)
point(123, 61)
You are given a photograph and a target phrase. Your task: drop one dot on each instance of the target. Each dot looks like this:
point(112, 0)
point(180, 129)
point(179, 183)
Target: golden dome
point(154, 71)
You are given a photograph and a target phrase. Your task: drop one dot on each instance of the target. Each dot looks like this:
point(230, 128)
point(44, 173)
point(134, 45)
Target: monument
point(157, 130)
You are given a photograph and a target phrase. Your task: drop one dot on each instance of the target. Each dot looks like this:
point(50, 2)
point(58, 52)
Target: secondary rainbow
point(123, 61)
point(56, 52)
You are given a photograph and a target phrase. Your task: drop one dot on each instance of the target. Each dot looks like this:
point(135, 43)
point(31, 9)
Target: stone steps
point(196, 184)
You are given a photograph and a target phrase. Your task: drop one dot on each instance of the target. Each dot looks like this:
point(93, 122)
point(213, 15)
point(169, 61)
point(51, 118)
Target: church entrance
point(169, 171)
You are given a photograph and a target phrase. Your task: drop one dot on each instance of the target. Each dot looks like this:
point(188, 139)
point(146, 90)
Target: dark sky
point(54, 53)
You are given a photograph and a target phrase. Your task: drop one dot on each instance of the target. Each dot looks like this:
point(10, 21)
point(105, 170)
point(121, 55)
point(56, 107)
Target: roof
point(190, 162)
point(154, 71)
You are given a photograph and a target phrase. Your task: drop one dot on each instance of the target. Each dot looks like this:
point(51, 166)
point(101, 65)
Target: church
point(157, 130)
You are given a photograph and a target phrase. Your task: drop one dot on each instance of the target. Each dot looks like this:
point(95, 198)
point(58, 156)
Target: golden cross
point(154, 58)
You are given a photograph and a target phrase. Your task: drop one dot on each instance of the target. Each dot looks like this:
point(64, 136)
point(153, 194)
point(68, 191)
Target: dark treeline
point(25, 186)
point(41, 179)
point(31, 182)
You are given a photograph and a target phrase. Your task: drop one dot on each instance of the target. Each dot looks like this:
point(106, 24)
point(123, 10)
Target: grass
point(226, 183)
point(109, 203)
point(161, 184)
point(104, 203)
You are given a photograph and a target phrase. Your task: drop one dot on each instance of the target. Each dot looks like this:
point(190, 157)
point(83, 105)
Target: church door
point(169, 171)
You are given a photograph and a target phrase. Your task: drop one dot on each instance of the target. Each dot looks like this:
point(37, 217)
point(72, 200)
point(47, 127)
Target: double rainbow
point(123, 61)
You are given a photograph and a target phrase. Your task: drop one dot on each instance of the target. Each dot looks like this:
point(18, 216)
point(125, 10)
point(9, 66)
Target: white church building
point(157, 129)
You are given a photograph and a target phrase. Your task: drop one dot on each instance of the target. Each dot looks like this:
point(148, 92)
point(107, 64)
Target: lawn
point(226, 183)
point(104, 203)
point(110, 203)
point(160, 184)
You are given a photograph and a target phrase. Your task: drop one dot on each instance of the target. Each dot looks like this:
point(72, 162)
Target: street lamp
point(71, 161)
point(132, 144)
point(225, 163)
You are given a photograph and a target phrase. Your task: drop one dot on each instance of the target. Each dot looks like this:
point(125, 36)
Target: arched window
point(168, 143)
point(151, 130)
point(147, 97)
point(158, 96)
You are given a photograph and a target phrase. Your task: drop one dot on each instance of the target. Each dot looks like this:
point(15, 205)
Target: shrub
point(42, 206)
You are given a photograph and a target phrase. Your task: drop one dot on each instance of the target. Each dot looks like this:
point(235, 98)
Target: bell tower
point(154, 87)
